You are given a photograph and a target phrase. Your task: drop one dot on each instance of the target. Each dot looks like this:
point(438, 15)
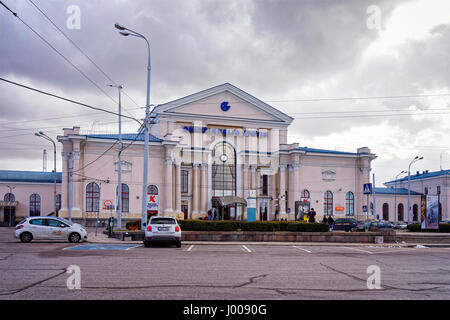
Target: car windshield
point(65, 221)
point(163, 221)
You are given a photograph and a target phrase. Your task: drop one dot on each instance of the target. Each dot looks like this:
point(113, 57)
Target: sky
point(352, 73)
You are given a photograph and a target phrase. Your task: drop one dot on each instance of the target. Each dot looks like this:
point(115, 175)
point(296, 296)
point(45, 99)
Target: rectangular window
point(265, 185)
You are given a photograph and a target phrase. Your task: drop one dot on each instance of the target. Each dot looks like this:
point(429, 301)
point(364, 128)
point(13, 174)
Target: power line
point(69, 100)
point(60, 54)
point(79, 49)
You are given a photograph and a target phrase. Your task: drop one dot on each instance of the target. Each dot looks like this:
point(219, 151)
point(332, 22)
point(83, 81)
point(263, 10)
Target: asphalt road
point(38, 270)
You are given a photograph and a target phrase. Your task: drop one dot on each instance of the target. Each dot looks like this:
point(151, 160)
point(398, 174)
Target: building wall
point(22, 192)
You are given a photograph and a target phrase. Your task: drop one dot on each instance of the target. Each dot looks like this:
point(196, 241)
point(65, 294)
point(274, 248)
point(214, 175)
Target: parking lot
point(38, 270)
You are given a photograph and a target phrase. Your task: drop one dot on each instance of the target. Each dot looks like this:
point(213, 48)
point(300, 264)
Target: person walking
point(331, 222)
point(325, 219)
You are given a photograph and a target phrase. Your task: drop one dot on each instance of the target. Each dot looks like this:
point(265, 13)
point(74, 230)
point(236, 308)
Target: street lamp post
point(43, 135)
point(409, 185)
point(128, 32)
point(119, 164)
point(395, 196)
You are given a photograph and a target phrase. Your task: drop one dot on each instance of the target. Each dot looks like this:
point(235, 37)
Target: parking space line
point(140, 245)
point(190, 247)
point(302, 249)
point(246, 249)
point(369, 252)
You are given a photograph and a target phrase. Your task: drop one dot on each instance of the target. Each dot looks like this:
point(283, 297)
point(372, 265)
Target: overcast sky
point(279, 51)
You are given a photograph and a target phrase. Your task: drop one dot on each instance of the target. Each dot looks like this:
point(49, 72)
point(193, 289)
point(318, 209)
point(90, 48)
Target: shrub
point(443, 227)
point(268, 226)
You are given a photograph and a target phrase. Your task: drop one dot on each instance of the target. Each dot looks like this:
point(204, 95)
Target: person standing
point(325, 219)
point(312, 215)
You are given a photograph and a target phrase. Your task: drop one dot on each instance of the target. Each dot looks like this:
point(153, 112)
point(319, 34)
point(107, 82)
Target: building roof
point(399, 191)
point(313, 150)
point(125, 136)
point(29, 176)
point(423, 175)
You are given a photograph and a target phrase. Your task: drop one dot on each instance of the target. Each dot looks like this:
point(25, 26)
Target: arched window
point(415, 212)
point(35, 205)
point(400, 212)
point(328, 203)
point(125, 197)
point(386, 211)
point(305, 194)
point(224, 170)
point(9, 197)
point(58, 202)
point(350, 204)
point(92, 197)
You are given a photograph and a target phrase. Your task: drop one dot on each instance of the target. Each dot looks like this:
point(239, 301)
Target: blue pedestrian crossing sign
point(367, 187)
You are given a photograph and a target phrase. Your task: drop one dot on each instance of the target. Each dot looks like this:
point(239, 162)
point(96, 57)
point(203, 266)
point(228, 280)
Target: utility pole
point(119, 164)
point(409, 186)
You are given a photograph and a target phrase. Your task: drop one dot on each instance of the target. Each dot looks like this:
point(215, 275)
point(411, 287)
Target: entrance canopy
point(230, 200)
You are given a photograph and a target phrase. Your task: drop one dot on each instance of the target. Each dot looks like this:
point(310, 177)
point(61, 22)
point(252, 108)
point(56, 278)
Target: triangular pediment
point(224, 101)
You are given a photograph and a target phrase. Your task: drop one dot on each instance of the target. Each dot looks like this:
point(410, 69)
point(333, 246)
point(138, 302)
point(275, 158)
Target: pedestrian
point(331, 222)
point(312, 215)
point(325, 219)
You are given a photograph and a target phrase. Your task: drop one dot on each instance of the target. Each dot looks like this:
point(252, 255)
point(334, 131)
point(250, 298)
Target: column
point(204, 189)
point(178, 187)
point(64, 187)
point(282, 197)
point(195, 190)
point(245, 180)
point(168, 186)
point(76, 187)
point(293, 190)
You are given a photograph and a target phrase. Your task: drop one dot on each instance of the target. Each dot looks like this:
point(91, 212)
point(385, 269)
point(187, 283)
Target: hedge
point(232, 225)
point(270, 226)
point(443, 227)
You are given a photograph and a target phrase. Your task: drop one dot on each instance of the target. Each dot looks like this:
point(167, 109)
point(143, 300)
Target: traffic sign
point(367, 187)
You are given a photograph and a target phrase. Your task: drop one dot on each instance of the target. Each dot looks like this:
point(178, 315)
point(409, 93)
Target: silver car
point(49, 228)
point(162, 229)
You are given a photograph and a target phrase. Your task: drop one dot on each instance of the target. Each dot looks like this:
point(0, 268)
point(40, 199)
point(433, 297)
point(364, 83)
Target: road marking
point(302, 249)
point(190, 247)
point(369, 252)
point(246, 249)
point(140, 245)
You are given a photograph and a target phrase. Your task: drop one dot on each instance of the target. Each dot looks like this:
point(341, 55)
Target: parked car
point(162, 229)
point(444, 221)
point(400, 225)
point(49, 228)
point(374, 225)
point(345, 224)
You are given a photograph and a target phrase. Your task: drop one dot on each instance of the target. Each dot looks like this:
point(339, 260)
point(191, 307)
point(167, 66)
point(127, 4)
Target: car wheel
point(26, 237)
point(178, 244)
point(147, 244)
point(74, 237)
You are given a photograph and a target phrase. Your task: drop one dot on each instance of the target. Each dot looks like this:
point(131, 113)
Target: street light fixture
point(43, 135)
point(146, 124)
point(409, 186)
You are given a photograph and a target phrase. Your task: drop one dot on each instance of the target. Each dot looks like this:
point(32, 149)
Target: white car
point(162, 229)
point(49, 228)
